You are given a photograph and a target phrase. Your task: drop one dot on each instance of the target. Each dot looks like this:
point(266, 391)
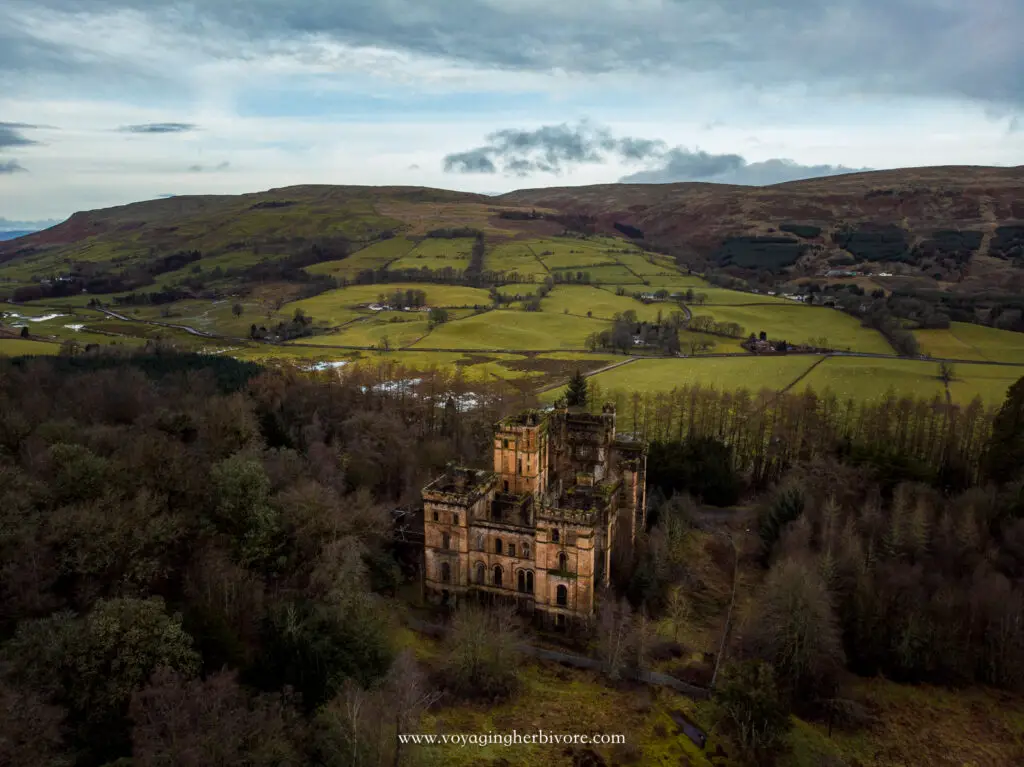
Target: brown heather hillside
point(692, 220)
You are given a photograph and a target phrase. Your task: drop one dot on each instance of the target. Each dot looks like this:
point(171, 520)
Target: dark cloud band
point(554, 148)
point(919, 47)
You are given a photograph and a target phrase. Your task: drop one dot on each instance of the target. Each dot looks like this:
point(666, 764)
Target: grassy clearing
point(966, 341)
point(726, 373)
point(567, 701)
point(514, 331)
point(919, 725)
point(375, 256)
point(16, 347)
point(799, 324)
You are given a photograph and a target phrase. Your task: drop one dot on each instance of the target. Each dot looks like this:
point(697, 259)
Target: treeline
point(196, 567)
point(627, 333)
point(901, 438)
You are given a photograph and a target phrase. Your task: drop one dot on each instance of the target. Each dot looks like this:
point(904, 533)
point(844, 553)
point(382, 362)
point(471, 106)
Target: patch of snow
point(321, 366)
point(76, 327)
point(44, 318)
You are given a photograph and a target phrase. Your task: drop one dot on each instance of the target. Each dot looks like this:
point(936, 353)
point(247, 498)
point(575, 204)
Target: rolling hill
point(950, 228)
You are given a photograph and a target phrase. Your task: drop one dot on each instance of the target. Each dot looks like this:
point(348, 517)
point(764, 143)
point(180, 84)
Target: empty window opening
point(511, 549)
point(526, 551)
point(529, 581)
point(562, 596)
point(446, 573)
point(554, 536)
point(446, 541)
point(436, 516)
point(563, 561)
point(481, 573)
point(497, 575)
point(521, 581)
point(455, 519)
point(497, 545)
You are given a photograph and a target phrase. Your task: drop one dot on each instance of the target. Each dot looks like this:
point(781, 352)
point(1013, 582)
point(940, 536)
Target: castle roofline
point(459, 484)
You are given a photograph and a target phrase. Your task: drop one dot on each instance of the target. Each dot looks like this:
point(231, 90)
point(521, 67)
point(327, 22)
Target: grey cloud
point(553, 148)
point(918, 47)
point(473, 161)
point(1015, 126)
point(11, 166)
point(158, 128)
point(209, 168)
point(549, 149)
point(10, 135)
point(683, 165)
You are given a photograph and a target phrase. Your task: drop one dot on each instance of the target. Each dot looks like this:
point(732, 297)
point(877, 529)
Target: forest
point(198, 564)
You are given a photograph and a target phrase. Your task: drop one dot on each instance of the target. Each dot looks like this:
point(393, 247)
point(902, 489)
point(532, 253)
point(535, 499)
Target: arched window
point(455, 519)
point(479, 541)
point(511, 549)
point(446, 573)
point(554, 536)
point(481, 573)
point(446, 541)
point(563, 561)
point(529, 581)
point(497, 545)
point(526, 551)
point(497, 575)
point(521, 580)
point(562, 596)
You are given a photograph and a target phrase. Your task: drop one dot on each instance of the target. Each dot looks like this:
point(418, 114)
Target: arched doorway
point(562, 596)
point(497, 575)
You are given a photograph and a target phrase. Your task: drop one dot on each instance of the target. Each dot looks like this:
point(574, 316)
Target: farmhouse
point(541, 528)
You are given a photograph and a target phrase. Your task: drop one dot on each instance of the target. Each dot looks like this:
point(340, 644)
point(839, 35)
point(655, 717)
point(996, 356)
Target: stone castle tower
point(540, 528)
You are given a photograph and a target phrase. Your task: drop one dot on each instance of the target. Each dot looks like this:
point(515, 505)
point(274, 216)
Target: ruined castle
point(540, 528)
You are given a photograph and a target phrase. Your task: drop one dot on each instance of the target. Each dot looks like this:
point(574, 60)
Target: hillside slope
point(960, 227)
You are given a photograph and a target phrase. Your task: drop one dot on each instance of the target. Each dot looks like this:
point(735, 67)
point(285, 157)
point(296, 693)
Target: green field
point(725, 297)
point(604, 304)
point(853, 378)
point(376, 256)
point(965, 341)
point(725, 373)
point(436, 254)
point(341, 305)
point(513, 330)
point(800, 324)
point(859, 378)
point(15, 347)
point(990, 382)
point(516, 256)
point(399, 328)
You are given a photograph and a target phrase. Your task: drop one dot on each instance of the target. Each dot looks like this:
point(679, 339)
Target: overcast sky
point(104, 102)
